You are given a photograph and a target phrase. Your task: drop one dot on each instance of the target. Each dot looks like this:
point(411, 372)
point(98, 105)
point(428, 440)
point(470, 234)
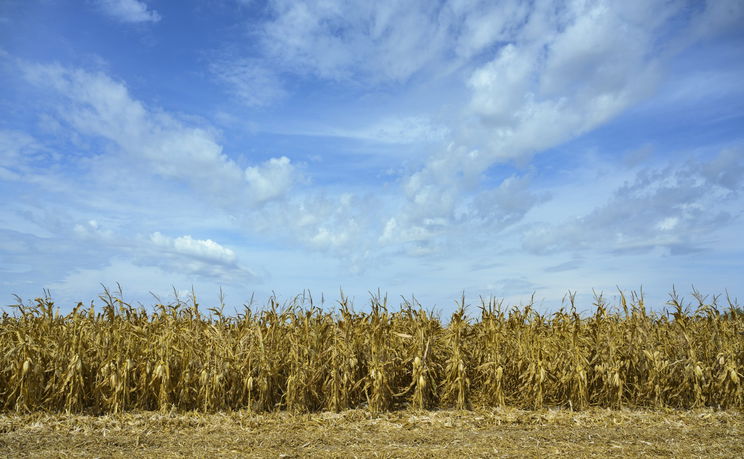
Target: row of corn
point(298, 357)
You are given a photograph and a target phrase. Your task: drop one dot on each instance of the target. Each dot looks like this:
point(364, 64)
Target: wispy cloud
point(130, 11)
point(100, 106)
point(373, 41)
point(678, 207)
point(394, 130)
point(251, 80)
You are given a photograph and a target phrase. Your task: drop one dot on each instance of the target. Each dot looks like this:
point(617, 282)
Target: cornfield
point(301, 358)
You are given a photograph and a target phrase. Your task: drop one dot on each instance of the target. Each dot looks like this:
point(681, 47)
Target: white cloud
point(538, 75)
point(395, 233)
point(103, 107)
point(389, 41)
point(100, 106)
point(330, 221)
point(377, 41)
point(677, 207)
point(502, 81)
point(131, 11)
point(205, 249)
point(588, 63)
point(554, 73)
point(270, 179)
point(202, 258)
point(482, 23)
point(437, 196)
point(453, 216)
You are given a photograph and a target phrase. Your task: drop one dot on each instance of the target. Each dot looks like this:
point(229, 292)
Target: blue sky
point(427, 148)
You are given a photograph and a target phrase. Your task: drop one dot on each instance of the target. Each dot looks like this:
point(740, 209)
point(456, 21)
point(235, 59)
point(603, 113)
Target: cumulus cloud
point(202, 249)
point(335, 223)
point(539, 75)
point(437, 198)
point(566, 72)
point(130, 11)
point(270, 179)
point(441, 217)
point(536, 75)
point(463, 93)
point(393, 232)
point(204, 258)
point(550, 74)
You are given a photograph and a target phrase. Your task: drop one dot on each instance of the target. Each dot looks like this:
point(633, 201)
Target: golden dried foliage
point(302, 358)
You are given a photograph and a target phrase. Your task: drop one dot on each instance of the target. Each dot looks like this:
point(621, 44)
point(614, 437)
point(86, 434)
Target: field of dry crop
point(295, 379)
point(300, 358)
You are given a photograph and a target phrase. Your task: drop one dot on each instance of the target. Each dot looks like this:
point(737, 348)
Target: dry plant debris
point(506, 432)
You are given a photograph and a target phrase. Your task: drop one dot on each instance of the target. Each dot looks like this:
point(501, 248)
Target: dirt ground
point(358, 433)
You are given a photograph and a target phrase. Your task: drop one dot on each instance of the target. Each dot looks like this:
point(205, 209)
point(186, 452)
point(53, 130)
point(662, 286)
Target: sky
point(491, 148)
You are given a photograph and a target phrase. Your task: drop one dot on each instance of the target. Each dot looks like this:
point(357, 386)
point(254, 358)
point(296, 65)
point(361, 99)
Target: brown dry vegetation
point(506, 432)
point(300, 358)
